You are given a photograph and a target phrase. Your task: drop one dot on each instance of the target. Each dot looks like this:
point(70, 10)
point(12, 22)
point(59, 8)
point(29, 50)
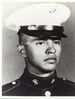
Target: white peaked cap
point(53, 14)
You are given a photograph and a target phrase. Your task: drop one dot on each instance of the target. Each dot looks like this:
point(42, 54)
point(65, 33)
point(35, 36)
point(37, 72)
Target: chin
point(50, 67)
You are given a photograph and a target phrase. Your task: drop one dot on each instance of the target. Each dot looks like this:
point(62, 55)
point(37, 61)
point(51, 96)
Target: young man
point(40, 33)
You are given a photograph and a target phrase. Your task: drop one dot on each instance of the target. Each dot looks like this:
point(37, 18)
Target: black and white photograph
point(38, 48)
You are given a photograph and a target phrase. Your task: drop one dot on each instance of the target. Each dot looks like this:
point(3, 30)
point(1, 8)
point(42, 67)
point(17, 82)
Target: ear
point(21, 50)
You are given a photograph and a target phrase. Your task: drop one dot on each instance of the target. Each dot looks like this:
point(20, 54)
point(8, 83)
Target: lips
point(51, 60)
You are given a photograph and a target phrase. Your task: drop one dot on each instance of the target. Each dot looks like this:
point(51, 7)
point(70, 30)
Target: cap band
point(42, 30)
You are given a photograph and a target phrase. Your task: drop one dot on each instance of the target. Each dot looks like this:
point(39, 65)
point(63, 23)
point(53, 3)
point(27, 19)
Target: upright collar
point(40, 82)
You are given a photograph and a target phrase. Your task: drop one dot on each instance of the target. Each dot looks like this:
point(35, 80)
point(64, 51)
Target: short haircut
point(21, 38)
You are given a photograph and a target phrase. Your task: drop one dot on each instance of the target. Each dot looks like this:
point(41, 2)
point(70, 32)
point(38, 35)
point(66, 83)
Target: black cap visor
point(41, 32)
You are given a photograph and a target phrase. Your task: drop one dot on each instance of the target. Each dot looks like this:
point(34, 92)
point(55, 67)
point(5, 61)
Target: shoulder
point(16, 88)
point(66, 82)
point(66, 87)
point(10, 86)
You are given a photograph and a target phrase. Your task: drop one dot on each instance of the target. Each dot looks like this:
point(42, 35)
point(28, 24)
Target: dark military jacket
point(31, 85)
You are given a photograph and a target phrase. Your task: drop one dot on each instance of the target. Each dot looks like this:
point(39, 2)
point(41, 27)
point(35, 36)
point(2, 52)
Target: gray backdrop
point(13, 64)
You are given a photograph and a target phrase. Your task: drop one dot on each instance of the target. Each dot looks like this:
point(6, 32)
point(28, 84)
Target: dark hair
point(21, 37)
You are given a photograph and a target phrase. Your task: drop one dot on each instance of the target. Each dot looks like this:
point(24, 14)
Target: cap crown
point(39, 14)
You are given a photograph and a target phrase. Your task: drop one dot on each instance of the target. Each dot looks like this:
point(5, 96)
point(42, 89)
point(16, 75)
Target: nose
point(50, 47)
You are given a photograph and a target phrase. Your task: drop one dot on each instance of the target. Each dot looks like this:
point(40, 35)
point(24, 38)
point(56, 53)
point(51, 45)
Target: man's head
point(42, 51)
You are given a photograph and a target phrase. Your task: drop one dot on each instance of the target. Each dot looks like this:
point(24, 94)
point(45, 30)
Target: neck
point(43, 74)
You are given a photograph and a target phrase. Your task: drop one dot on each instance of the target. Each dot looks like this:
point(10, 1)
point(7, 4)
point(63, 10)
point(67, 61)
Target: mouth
point(51, 60)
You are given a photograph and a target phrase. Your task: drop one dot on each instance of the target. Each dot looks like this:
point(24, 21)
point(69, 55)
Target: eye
point(57, 42)
point(40, 42)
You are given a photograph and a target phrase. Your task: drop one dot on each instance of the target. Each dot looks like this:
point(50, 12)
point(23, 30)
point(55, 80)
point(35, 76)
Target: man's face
point(42, 54)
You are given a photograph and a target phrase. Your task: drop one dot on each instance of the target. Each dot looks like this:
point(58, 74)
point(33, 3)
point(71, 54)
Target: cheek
point(35, 53)
point(58, 51)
